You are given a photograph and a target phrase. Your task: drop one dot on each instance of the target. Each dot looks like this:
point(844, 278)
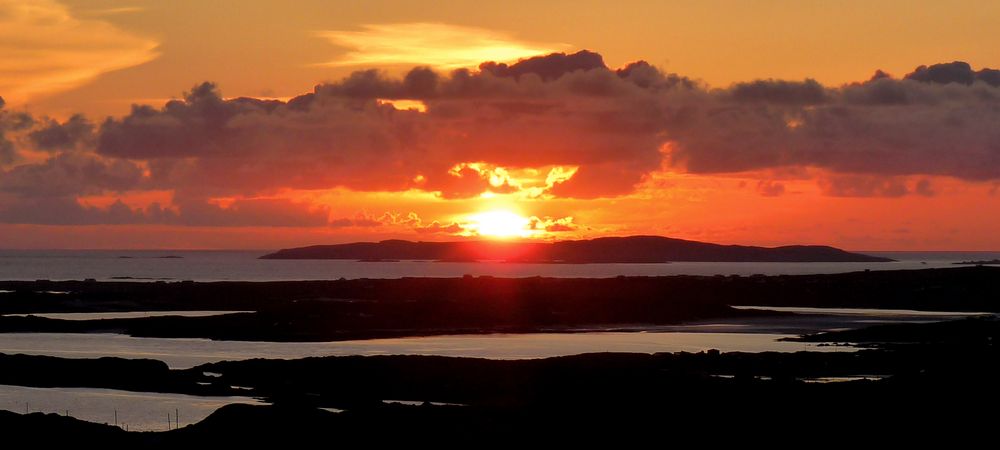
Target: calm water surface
point(754, 334)
point(152, 265)
point(141, 411)
point(125, 315)
point(186, 353)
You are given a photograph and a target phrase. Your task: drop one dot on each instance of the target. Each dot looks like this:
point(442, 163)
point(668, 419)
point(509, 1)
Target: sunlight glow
point(524, 182)
point(435, 44)
point(500, 224)
point(405, 104)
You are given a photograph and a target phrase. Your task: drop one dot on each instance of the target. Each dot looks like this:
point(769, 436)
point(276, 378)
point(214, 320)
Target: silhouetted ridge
point(632, 249)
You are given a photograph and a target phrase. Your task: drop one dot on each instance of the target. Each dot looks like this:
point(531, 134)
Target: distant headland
point(631, 249)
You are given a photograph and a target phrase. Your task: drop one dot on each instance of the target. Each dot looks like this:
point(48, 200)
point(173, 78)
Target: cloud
point(874, 186)
point(413, 222)
point(432, 44)
point(780, 92)
point(884, 127)
point(364, 220)
point(45, 49)
point(343, 135)
point(954, 72)
point(114, 11)
point(553, 126)
point(436, 227)
point(66, 210)
point(51, 136)
point(7, 152)
point(274, 212)
point(769, 188)
point(548, 68)
point(470, 179)
point(71, 174)
point(924, 188)
point(10, 124)
point(553, 225)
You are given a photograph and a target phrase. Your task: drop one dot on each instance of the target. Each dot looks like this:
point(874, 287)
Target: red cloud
point(566, 111)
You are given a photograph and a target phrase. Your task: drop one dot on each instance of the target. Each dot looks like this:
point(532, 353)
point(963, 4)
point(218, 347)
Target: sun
point(500, 224)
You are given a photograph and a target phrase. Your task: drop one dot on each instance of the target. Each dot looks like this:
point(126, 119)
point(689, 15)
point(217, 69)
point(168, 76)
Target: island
point(629, 249)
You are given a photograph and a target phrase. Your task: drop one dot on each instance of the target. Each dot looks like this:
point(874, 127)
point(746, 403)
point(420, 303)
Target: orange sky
point(749, 122)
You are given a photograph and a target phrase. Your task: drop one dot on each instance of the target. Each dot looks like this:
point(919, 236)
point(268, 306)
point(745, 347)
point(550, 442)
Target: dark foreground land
point(933, 383)
point(371, 308)
point(936, 383)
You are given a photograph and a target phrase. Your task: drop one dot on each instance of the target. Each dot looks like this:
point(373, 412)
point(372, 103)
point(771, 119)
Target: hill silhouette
point(631, 249)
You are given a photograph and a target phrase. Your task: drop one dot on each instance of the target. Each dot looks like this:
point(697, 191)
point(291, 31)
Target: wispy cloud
point(45, 49)
point(434, 44)
point(115, 11)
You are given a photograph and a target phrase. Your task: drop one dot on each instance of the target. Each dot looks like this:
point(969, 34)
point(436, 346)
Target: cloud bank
point(554, 126)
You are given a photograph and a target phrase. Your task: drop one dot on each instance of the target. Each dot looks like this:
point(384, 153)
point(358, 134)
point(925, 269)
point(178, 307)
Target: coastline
point(349, 396)
point(379, 308)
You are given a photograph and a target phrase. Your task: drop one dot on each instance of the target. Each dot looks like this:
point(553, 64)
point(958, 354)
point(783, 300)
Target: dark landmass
point(972, 331)
point(947, 385)
point(632, 249)
point(141, 278)
point(593, 381)
point(924, 381)
point(46, 430)
point(140, 375)
point(374, 308)
point(980, 263)
point(306, 321)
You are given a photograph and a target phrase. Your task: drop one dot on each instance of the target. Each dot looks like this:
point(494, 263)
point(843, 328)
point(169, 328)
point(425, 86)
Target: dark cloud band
point(616, 127)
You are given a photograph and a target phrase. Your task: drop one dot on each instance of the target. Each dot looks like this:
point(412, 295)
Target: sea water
point(174, 265)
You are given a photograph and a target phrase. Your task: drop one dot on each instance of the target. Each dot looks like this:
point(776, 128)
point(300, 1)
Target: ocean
point(244, 265)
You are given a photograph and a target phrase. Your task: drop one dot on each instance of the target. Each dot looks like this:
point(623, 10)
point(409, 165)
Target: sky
point(264, 124)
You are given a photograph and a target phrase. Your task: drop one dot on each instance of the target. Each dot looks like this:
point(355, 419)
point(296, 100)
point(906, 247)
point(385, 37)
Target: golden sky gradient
point(893, 164)
point(253, 47)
